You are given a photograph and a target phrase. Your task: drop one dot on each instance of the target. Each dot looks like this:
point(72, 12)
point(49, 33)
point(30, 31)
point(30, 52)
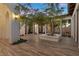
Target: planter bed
point(55, 37)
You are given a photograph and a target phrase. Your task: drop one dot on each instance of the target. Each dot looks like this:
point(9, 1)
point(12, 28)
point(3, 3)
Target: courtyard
point(39, 29)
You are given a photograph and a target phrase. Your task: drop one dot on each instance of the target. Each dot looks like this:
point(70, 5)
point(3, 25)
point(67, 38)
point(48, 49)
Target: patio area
point(38, 47)
point(36, 33)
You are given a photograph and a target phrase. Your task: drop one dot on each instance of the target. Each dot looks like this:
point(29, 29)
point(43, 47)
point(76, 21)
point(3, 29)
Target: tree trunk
point(45, 29)
point(33, 28)
point(26, 28)
point(52, 29)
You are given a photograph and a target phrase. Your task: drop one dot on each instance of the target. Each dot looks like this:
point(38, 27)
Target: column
point(23, 29)
point(78, 27)
point(72, 28)
point(61, 27)
point(36, 29)
point(75, 26)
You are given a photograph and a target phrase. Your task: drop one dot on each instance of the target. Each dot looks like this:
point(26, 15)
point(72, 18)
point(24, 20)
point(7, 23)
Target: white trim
point(66, 18)
point(75, 10)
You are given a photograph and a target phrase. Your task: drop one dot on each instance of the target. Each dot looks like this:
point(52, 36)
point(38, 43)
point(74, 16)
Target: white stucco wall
point(15, 31)
point(4, 21)
point(14, 24)
point(9, 28)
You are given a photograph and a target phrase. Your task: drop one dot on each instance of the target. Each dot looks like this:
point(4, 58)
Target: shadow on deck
point(19, 41)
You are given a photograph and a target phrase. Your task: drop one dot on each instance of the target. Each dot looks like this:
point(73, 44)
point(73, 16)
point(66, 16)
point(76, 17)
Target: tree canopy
point(40, 18)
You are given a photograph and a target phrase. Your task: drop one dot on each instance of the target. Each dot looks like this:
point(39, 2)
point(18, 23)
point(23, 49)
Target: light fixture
point(15, 16)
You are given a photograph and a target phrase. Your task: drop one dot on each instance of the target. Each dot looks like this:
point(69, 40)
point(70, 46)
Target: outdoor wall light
point(15, 16)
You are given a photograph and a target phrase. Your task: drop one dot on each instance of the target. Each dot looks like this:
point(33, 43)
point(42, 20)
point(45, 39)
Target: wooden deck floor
point(35, 47)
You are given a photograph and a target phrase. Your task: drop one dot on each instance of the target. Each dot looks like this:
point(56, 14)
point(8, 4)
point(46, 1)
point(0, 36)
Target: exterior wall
point(5, 16)
point(15, 31)
point(9, 28)
point(75, 25)
point(14, 24)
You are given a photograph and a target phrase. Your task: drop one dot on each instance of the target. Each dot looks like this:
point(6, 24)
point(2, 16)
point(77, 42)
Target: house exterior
point(9, 27)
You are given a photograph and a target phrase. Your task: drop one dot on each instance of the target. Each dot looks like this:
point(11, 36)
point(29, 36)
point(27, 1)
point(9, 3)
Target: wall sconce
point(15, 16)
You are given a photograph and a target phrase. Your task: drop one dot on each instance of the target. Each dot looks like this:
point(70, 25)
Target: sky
point(41, 6)
point(65, 7)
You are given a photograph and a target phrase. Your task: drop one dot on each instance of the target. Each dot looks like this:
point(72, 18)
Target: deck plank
point(36, 47)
